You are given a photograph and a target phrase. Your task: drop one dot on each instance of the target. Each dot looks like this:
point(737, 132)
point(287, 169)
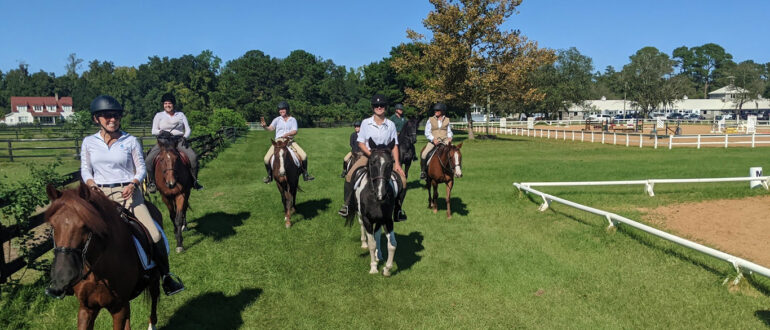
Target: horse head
point(380, 167)
point(75, 220)
point(456, 159)
point(280, 156)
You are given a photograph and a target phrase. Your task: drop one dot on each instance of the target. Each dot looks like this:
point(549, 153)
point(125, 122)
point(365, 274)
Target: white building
point(48, 110)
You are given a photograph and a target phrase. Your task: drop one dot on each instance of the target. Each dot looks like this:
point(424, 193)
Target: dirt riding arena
point(736, 226)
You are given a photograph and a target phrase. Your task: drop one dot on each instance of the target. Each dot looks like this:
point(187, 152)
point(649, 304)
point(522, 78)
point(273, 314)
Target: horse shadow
point(220, 225)
point(764, 316)
point(458, 207)
point(406, 250)
point(414, 184)
point(213, 310)
point(310, 209)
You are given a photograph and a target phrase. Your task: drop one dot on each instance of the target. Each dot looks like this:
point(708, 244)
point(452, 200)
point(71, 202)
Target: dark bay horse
point(286, 176)
point(95, 258)
point(443, 167)
point(174, 181)
point(406, 140)
point(376, 200)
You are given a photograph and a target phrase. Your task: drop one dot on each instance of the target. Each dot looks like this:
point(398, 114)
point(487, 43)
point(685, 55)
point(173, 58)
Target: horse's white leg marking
point(458, 171)
point(152, 327)
point(363, 234)
point(282, 171)
point(377, 238)
point(373, 259)
point(391, 252)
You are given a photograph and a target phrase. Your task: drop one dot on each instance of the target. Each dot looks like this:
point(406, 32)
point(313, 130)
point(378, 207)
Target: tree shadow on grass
point(764, 316)
point(213, 310)
point(220, 225)
point(310, 209)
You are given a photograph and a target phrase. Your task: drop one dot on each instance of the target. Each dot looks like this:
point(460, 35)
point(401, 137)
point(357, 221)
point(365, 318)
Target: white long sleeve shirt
point(119, 163)
point(283, 126)
point(429, 129)
point(380, 134)
point(176, 124)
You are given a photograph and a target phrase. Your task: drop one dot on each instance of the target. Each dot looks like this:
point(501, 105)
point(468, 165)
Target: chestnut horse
point(95, 258)
point(443, 167)
point(174, 182)
point(286, 176)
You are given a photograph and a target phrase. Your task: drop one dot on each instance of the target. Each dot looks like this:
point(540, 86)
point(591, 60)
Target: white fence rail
point(649, 184)
point(740, 265)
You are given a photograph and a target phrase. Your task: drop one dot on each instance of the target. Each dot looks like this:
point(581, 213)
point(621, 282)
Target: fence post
point(640, 140)
point(726, 141)
point(573, 135)
point(614, 138)
point(753, 135)
point(627, 140)
point(3, 275)
point(10, 151)
point(77, 149)
point(670, 141)
point(656, 141)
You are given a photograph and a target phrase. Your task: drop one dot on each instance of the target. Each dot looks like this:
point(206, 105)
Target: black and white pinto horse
point(406, 140)
point(376, 198)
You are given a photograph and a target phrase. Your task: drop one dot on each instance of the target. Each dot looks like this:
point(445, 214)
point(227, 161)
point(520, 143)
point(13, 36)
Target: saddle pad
point(293, 156)
point(359, 185)
point(147, 263)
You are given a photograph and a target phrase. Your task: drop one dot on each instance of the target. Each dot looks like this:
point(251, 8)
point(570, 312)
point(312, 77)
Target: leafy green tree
point(702, 64)
point(248, 85)
point(566, 82)
point(747, 76)
point(647, 77)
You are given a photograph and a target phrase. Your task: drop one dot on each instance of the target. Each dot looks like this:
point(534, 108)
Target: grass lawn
point(498, 263)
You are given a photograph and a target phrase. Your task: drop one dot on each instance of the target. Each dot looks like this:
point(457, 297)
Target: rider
point(438, 131)
point(354, 149)
point(111, 161)
point(382, 131)
point(398, 118)
point(285, 127)
point(174, 122)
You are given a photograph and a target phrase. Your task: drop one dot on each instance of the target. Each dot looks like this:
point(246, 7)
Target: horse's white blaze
point(458, 170)
point(282, 170)
point(382, 182)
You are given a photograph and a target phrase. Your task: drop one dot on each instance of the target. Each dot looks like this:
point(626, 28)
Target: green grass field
point(498, 263)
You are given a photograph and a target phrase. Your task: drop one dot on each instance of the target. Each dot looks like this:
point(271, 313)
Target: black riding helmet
point(440, 107)
point(399, 106)
point(357, 123)
point(283, 105)
point(168, 97)
point(379, 100)
point(105, 103)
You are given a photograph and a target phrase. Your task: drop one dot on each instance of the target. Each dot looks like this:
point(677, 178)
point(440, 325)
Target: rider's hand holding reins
point(129, 190)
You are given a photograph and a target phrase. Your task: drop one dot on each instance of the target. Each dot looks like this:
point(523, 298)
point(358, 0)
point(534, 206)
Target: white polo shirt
point(119, 163)
point(283, 126)
point(380, 134)
point(176, 124)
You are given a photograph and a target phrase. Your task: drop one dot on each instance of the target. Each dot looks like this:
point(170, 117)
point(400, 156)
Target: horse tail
point(349, 219)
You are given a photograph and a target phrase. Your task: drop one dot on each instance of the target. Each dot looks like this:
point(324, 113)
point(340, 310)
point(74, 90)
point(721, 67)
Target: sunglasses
point(378, 106)
point(109, 115)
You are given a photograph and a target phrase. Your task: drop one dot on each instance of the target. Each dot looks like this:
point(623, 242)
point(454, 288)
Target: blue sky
point(356, 32)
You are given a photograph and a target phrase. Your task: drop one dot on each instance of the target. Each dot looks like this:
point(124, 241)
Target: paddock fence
point(740, 265)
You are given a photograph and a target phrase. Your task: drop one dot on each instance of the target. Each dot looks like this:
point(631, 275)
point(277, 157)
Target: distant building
point(46, 110)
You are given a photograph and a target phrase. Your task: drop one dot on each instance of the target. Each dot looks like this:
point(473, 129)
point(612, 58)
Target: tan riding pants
point(347, 157)
point(135, 204)
point(430, 147)
point(294, 146)
point(361, 162)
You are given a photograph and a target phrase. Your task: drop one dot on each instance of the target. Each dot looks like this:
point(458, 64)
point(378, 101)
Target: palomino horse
point(444, 166)
point(376, 201)
point(174, 182)
point(406, 140)
point(286, 176)
point(95, 258)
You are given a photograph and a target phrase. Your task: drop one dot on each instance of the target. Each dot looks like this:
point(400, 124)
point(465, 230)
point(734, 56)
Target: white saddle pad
point(146, 262)
point(293, 156)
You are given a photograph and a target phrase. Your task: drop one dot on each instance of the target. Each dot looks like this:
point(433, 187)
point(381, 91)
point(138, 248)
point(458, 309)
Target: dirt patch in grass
point(737, 226)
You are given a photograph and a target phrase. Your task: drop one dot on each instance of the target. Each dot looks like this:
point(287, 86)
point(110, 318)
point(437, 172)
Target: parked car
point(675, 116)
point(600, 117)
point(694, 116)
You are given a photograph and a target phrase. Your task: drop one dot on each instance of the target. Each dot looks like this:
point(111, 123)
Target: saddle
point(441, 146)
point(141, 236)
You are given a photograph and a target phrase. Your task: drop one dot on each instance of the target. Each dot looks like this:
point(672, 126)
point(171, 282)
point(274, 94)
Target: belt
point(113, 185)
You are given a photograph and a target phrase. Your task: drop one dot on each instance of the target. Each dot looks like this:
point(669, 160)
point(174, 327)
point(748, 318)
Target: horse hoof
point(435, 211)
point(364, 246)
point(373, 270)
point(179, 249)
point(448, 217)
point(386, 272)
point(287, 224)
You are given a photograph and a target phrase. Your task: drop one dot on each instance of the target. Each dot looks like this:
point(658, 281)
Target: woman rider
point(285, 127)
point(111, 162)
point(174, 122)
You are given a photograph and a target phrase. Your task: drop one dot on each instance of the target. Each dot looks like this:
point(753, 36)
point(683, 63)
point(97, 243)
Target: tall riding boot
point(344, 169)
point(196, 184)
point(171, 283)
point(269, 177)
point(346, 200)
point(423, 165)
point(399, 214)
point(305, 175)
point(151, 188)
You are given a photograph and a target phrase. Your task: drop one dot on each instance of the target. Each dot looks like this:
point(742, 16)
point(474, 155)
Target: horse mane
point(97, 213)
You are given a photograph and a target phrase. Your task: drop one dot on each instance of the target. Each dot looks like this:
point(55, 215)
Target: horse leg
point(179, 222)
point(435, 196)
point(154, 289)
point(428, 185)
point(121, 318)
point(364, 245)
point(377, 237)
point(86, 317)
point(372, 245)
point(288, 206)
point(449, 185)
point(391, 235)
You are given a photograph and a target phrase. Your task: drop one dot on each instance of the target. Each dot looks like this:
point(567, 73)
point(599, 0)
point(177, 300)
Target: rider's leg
point(302, 155)
point(268, 155)
point(424, 160)
point(193, 157)
point(399, 214)
point(361, 162)
point(345, 164)
point(150, 164)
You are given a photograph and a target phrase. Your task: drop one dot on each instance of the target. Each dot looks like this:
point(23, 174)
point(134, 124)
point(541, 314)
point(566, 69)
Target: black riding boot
point(151, 188)
point(171, 283)
point(399, 214)
point(305, 175)
point(423, 165)
point(269, 177)
point(196, 184)
point(346, 200)
point(344, 169)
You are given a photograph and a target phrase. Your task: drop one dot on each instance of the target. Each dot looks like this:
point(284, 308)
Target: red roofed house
point(38, 109)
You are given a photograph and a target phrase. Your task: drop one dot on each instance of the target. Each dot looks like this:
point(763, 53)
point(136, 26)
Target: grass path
point(498, 263)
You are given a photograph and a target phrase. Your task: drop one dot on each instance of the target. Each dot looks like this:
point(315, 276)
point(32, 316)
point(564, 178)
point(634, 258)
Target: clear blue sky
point(356, 32)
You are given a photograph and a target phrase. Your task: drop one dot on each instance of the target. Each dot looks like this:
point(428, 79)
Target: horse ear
point(460, 145)
point(391, 144)
point(52, 192)
point(83, 191)
point(371, 142)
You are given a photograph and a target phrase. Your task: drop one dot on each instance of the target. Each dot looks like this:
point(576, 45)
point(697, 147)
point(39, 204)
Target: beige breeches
point(135, 204)
point(294, 146)
point(362, 161)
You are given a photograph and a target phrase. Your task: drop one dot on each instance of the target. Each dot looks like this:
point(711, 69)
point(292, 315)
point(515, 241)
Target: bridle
point(382, 176)
point(82, 262)
point(449, 168)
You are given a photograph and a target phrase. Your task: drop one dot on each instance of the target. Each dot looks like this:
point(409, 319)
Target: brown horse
point(174, 183)
point(444, 166)
point(95, 258)
point(286, 174)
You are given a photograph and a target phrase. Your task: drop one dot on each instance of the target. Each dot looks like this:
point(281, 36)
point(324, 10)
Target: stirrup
point(344, 211)
point(307, 177)
point(423, 176)
point(197, 185)
point(172, 284)
point(267, 179)
point(343, 174)
point(401, 216)
point(151, 188)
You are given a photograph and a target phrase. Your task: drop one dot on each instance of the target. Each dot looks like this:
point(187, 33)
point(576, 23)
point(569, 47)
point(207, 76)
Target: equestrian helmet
point(357, 123)
point(283, 105)
point(105, 103)
point(379, 100)
point(399, 106)
point(440, 107)
point(168, 97)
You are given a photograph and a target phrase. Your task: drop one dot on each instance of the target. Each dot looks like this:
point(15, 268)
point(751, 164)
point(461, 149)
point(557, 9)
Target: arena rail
point(740, 265)
point(649, 183)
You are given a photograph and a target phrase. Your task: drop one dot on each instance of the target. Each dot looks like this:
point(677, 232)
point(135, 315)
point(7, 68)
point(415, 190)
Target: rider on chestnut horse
point(175, 122)
point(438, 131)
point(285, 127)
